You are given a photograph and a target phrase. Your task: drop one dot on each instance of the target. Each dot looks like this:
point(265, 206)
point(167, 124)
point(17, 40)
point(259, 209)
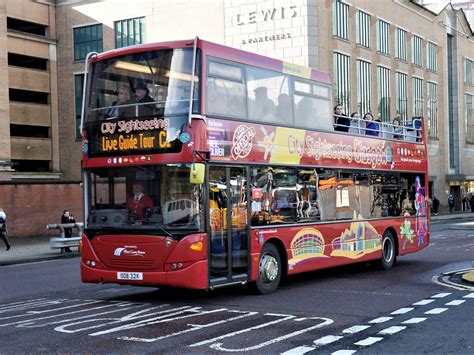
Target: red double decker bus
point(206, 166)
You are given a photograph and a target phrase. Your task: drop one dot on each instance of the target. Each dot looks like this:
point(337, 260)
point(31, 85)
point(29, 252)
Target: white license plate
point(129, 275)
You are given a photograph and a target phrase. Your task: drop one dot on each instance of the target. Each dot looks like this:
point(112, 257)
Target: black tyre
point(389, 251)
point(269, 269)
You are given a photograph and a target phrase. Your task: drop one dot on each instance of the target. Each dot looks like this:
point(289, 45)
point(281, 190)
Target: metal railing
point(410, 131)
point(62, 242)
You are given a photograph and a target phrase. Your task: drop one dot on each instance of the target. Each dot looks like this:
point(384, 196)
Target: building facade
point(28, 91)
point(396, 59)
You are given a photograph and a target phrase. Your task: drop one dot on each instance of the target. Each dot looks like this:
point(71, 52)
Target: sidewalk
point(31, 249)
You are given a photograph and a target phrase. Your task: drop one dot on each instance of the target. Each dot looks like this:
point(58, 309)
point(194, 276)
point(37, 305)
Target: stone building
point(398, 58)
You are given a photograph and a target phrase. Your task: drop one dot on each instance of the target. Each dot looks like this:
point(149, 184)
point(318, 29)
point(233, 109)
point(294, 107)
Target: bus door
point(229, 225)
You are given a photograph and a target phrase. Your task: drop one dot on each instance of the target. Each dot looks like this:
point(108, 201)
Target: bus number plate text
point(129, 276)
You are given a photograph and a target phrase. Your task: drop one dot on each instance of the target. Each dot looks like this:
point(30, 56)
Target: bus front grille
point(125, 265)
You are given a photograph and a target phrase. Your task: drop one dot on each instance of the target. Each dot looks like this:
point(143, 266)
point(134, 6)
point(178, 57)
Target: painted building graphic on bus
point(358, 240)
point(307, 244)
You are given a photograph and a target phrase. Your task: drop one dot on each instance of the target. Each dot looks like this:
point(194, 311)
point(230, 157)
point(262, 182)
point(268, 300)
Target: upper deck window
point(250, 93)
point(144, 84)
point(268, 96)
point(226, 90)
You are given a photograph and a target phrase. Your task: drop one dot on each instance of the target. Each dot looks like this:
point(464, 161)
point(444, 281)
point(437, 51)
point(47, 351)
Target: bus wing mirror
point(196, 174)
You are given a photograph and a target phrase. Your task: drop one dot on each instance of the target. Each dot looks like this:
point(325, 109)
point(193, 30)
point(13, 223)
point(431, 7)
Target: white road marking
point(344, 352)
point(392, 330)
point(368, 341)
point(469, 295)
point(441, 295)
point(403, 310)
point(194, 327)
point(381, 320)
point(169, 315)
point(436, 310)
point(219, 347)
point(299, 350)
point(328, 339)
point(355, 329)
point(455, 302)
point(422, 302)
point(414, 320)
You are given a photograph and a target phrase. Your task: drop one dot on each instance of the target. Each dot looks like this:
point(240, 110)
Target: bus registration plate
point(129, 275)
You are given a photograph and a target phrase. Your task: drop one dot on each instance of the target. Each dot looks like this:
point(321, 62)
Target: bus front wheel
point(269, 269)
point(389, 252)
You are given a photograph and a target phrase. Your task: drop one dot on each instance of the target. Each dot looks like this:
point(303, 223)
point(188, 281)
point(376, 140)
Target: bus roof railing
point(410, 131)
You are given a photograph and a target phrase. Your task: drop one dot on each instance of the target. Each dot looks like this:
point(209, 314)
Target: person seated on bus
point(264, 108)
point(139, 204)
point(284, 110)
point(356, 123)
point(372, 127)
point(123, 98)
point(397, 129)
point(142, 96)
point(341, 121)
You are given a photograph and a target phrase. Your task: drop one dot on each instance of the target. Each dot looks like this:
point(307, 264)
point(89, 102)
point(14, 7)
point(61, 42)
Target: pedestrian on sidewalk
point(67, 218)
point(3, 229)
point(471, 202)
point(451, 203)
point(435, 205)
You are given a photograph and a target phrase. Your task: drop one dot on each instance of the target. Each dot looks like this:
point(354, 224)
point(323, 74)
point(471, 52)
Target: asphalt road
point(46, 309)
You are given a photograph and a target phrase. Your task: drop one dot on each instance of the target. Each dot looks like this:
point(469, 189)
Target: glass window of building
point(87, 39)
point(432, 113)
point(383, 93)
point(468, 71)
point(401, 97)
point(417, 96)
point(469, 119)
point(383, 37)
point(363, 87)
point(363, 29)
point(431, 56)
point(78, 89)
point(401, 44)
point(416, 49)
point(341, 85)
point(340, 20)
point(129, 32)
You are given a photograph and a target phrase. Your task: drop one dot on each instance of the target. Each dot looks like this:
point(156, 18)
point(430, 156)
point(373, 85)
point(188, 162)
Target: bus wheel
point(269, 269)
point(389, 253)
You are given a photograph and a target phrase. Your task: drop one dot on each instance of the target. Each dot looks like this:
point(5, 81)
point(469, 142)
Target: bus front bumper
point(192, 277)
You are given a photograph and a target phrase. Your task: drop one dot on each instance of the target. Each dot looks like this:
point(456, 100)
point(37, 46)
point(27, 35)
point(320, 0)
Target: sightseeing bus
point(206, 166)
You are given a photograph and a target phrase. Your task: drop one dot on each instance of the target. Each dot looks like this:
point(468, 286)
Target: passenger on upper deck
point(372, 127)
point(341, 121)
point(397, 129)
point(123, 98)
point(142, 95)
point(284, 109)
point(264, 107)
point(356, 123)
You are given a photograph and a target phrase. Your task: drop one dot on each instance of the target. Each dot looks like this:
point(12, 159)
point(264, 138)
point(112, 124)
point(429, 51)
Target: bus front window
point(144, 84)
point(145, 199)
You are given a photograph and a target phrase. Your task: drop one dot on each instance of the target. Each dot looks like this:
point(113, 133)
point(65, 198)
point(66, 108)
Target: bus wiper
point(164, 230)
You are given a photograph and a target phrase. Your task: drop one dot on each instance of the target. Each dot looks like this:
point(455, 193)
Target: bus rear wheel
point(389, 252)
point(269, 269)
